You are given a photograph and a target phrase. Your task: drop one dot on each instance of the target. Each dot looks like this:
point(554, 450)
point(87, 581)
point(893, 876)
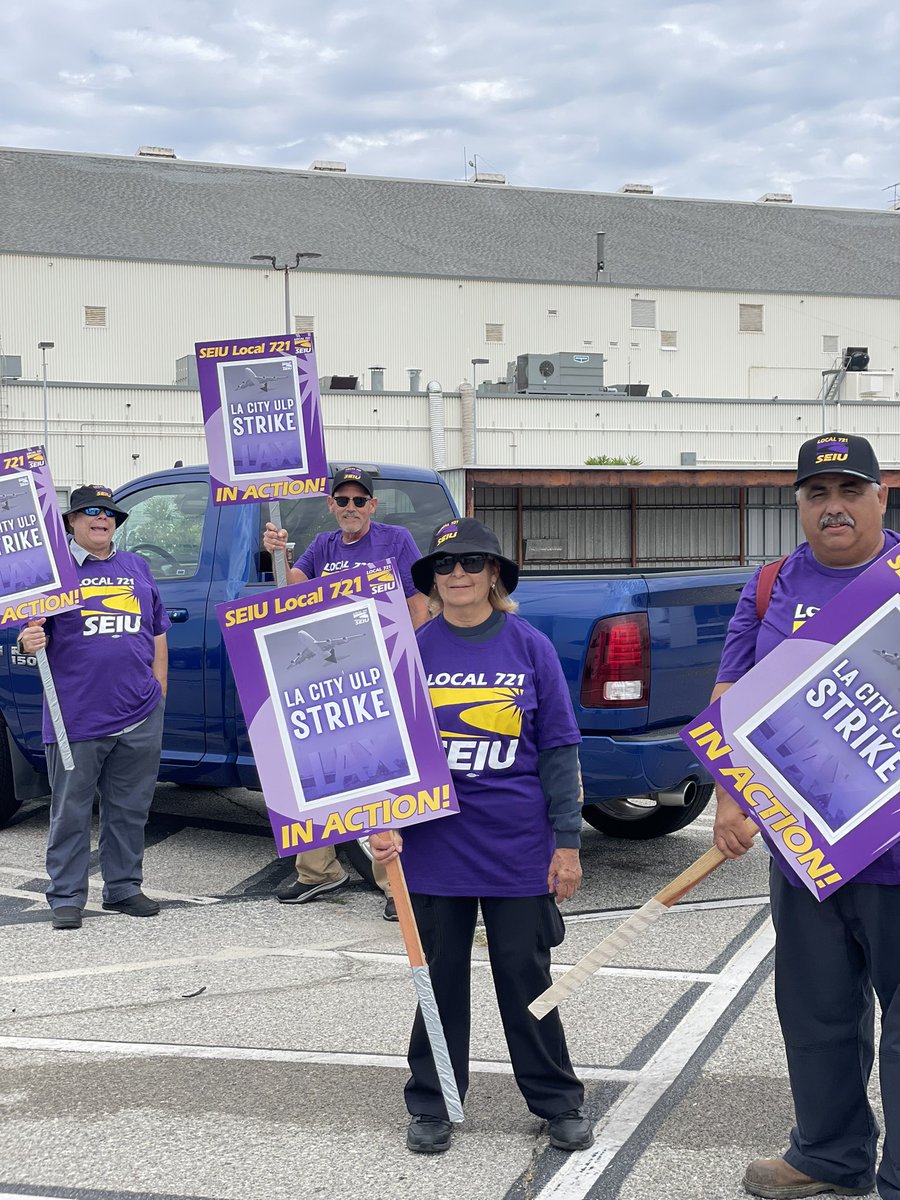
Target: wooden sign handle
point(405, 915)
point(698, 871)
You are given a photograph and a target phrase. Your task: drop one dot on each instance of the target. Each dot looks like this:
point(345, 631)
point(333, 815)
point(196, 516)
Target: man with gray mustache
point(832, 957)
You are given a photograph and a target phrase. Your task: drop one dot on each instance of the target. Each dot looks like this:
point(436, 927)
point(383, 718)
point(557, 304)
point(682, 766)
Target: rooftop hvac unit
point(186, 371)
point(563, 374)
point(10, 366)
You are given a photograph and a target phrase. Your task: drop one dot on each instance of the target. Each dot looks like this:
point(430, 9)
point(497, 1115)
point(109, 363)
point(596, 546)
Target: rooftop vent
point(776, 198)
point(637, 189)
point(329, 164)
point(487, 177)
point(155, 152)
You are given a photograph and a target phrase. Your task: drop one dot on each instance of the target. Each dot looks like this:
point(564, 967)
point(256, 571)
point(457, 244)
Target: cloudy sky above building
point(719, 100)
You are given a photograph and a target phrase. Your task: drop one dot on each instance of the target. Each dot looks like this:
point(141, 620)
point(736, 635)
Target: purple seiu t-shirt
point(328, 553)
point(498, 704)
point(102, 654)
point(803, 586)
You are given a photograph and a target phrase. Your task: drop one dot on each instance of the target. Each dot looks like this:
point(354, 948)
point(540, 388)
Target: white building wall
point(156, 311)
point(111, 434)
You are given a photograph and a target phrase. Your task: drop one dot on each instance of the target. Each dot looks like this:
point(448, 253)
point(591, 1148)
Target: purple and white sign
point(337, 707)
point(808, 742)
point(262, 418)
point(37, 574)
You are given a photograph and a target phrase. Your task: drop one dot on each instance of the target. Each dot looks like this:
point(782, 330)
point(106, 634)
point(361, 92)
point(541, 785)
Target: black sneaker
point(137, 905)
point(390, 910)
point(428, 1135)
point(67, 916)
point(571, 1131)
point(299, 893)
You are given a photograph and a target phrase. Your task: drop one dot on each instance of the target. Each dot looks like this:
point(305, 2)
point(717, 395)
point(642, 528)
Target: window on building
point(750, 318)
point(95, 316)
point(668, 339)
point(304, 324)
point(830, 343)
point(493, 332)
point(643, 314)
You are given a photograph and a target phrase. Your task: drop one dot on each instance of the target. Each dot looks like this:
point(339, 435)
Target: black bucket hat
point(90, 494)
point(464, 535)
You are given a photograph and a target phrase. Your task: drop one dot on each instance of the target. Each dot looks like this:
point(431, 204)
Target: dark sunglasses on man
point(93, 511)
point(356, 501)
point(470, 563)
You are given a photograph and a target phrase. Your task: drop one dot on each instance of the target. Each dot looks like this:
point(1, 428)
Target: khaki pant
point(321, 866)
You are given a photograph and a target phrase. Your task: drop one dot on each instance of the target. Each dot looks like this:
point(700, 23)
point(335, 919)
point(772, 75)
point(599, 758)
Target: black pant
point(829, 957)
point(521, 931)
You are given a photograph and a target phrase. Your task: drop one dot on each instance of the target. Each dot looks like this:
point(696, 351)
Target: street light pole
point(44, 347)
point(286, 267)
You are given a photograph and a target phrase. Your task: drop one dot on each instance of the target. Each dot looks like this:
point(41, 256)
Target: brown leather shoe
point(776, 1179)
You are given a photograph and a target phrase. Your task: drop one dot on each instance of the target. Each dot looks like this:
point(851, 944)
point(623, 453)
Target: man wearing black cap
point(830, 955)
point(358, 541)
point(109, 663)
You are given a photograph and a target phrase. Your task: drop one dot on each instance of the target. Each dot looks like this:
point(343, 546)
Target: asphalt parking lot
point(238, 1049)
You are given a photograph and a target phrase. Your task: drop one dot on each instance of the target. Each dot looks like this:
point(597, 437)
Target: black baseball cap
point(837, 454)
point(353, 475)
point(464, 535)
point(90, 494)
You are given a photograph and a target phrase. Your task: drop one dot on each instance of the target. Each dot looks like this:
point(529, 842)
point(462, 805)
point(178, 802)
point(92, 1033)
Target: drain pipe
point(467, 415)
point(438, 431)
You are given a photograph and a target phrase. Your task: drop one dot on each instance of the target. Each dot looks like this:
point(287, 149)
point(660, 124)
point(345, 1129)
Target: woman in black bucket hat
point(506, 720)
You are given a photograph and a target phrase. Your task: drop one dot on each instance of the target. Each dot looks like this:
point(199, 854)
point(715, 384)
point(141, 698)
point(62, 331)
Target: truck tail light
point(617, 666)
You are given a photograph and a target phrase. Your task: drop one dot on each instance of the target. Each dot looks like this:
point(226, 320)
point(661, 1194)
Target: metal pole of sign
point(56, 717)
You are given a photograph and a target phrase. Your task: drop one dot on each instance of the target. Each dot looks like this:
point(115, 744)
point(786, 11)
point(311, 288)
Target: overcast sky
point(726, 100)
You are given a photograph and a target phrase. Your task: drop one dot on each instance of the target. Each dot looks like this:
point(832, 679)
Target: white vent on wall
point(304, 324)
point(614, 344)
point(95, 316)
point(831, 343)
point(552, 312)
point(588, 342)
point(668, 339)
point(750, 318)
point(643, 314)
point(493, 332)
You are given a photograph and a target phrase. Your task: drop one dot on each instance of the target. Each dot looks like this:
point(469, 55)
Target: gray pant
point(123, 770)
point(829, 957)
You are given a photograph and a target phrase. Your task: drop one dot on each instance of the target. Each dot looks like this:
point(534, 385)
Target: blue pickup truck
point(639, 650)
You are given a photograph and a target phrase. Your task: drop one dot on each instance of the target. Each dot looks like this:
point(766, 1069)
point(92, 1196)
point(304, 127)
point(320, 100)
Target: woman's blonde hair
point(498, 596)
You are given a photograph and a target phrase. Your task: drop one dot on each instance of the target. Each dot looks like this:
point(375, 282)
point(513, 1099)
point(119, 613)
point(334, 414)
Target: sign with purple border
point(37, 574)
point(262, 418)
point(808, 742)
point(337, 708)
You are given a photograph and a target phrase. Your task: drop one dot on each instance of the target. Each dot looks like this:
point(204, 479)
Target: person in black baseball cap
point(95, 495)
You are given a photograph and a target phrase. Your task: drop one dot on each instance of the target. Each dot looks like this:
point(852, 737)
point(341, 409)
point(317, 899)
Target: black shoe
point(571, 1131)
point(67, 916)
point(428, 1135)
point(137, 905)
point(299, 893)
point(390, 910)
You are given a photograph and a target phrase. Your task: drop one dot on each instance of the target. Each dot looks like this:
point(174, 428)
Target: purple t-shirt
point(101, 654)
point(498, 703)
point(328, 552)
point(802, 587)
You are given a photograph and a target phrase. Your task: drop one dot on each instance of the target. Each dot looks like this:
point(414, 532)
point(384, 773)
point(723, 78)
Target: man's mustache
point(833, 519)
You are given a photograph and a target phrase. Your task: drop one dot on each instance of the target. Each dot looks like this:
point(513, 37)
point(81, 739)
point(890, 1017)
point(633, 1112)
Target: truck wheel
point(642, 818)
point(9, 804)
point(359, 856)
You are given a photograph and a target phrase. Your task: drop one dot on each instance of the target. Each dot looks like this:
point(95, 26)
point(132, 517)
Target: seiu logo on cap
point(352, 472)
point(450, 530)
point(103, 492)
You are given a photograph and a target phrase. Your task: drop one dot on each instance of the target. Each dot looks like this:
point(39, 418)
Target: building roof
point(102, 206)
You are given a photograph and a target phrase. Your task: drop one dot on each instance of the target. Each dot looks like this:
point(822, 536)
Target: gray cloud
point(699, 99)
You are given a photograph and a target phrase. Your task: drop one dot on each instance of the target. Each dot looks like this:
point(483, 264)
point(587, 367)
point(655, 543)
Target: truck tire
point(642, 819)
point(9, 804)
point(359, 856)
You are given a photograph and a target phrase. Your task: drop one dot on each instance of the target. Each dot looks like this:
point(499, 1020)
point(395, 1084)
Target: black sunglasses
point(470, 563)
point(357, 501)
point(94, 511)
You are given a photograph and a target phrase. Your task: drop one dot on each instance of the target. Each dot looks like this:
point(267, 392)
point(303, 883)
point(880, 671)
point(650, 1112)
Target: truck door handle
point(177, 614)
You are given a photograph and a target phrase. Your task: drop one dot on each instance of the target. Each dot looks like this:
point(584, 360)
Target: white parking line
point(582, 1170)
point(41, 898)
point(262, 1054)
point(95, 883)
point(236, 953)
point(681, 909)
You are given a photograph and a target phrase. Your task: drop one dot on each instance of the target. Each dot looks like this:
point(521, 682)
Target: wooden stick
point(405, 915)
point(630, 929)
